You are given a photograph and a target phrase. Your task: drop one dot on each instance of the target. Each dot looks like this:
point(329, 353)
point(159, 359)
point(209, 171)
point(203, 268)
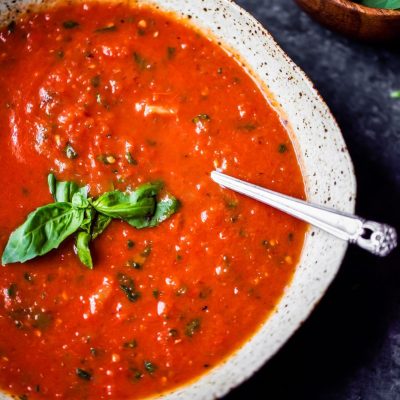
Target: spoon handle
point(379, 239)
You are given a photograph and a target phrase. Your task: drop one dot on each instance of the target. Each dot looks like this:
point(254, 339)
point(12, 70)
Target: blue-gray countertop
point(349, 349)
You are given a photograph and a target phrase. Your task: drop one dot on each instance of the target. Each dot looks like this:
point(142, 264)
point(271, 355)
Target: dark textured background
point(349, 349)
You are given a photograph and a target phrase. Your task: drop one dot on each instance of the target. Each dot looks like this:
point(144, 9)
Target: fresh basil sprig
point(73, 212)
point(388, 4)
point(395, 94)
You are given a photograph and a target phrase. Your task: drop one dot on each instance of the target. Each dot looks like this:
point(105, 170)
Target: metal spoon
point(379, 239)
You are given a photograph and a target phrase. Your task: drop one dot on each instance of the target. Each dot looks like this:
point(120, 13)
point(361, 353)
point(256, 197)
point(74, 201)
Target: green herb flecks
point(137, 375)
point(181, 291)
point(282, 148)
point(150, 367)
point(247, 127)
point(132, 344)
point(73, 212)
point(70, 24)
point(173, 333)
point(99, 99)
point(12, 291)
point(28, 277)
point(200, 118)
point(147, 250)
point(102, 101)
point(70, 152)
point(266, 244)
point(107, 159)
point(130, 158)
point(85, 375)
point(205, 293)
point(141, 62)
point(192, 327)
point(151, 142)
point(95, 81)
point(60, 54)
point(231, 204)
point(134, 264)
point(94, 352)
point(107, 28)
point(11, 27)
point(127, 285)
point(171, 51)
point(41, 319)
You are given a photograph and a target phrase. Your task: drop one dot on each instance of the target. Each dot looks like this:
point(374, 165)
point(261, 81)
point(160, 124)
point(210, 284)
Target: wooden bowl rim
point(370, 11)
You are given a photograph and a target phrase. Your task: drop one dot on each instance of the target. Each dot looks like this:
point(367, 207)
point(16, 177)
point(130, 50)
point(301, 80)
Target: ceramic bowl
point(325, 163)
point(355, 20)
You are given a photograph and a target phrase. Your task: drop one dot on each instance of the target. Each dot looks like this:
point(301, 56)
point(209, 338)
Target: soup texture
point(112, 96)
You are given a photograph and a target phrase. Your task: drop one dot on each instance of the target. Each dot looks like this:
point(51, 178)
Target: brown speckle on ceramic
point(326, 167)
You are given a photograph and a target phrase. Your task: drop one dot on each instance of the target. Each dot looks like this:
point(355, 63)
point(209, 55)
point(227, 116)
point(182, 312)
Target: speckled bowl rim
point(325, 163)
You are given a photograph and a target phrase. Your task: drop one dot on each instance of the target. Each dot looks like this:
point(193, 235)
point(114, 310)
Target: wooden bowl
point(355, 20)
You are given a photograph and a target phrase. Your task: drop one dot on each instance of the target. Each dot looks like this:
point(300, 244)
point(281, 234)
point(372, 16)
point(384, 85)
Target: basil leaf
point(146, 190)
point(164, 209)
point(79, 201)
point(127, 285)
point(100, 224)
point(64, 191)
point(388, 4)
point(82, 249)
point(119, 205)
point(90, 215)
point(43, 231)
point(52, 182)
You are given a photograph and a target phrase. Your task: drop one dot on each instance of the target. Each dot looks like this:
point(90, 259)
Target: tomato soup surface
point(111, 96)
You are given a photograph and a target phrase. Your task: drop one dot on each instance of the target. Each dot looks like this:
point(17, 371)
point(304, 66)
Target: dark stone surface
point(349, 349)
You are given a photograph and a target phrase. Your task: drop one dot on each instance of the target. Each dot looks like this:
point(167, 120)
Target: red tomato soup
point(111, 96)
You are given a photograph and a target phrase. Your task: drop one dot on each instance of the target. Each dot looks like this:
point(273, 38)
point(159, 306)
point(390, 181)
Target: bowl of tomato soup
point(127, 273)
